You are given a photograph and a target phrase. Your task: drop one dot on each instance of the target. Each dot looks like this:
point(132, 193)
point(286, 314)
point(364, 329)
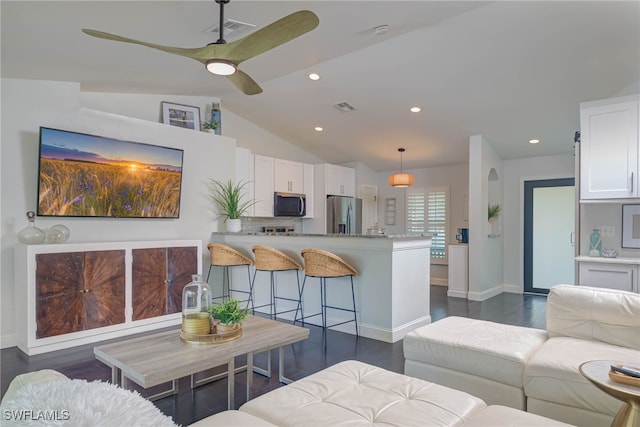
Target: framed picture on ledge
point(184, 116)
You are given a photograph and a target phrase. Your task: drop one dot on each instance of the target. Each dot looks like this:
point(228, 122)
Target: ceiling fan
point(223, 58)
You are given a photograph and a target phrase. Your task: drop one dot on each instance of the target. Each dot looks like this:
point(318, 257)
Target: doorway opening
point(549, 234)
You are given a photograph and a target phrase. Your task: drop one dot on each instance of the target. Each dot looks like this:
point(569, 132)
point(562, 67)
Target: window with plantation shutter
point(428, 213)
point(415, 213)
point(437, 223)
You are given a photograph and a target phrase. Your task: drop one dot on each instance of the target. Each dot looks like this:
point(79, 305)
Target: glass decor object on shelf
point(31, 235)
point(196, 300)
point(57, 234)
point(595, 243)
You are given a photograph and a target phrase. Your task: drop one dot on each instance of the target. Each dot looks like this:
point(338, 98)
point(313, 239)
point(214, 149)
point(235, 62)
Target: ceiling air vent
point(232, 28)
point(344, 106)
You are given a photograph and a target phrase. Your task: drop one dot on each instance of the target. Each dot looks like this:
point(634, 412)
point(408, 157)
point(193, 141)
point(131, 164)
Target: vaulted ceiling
point(509, 70)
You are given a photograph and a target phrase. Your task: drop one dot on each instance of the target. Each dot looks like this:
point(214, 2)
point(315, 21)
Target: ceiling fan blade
point(271, 36)
point(201, 54)
point(245, 83)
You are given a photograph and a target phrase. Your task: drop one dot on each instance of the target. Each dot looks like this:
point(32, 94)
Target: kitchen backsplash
point(254, 224)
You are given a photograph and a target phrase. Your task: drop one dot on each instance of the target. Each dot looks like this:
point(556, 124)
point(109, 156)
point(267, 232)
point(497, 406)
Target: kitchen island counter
point(391, 289)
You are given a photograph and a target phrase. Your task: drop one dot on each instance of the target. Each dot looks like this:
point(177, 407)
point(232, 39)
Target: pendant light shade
point(401, 179)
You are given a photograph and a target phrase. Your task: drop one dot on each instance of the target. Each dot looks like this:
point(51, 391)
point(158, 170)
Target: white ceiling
point(509, 70)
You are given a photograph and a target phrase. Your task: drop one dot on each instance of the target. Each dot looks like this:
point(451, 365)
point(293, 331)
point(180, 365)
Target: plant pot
point(221, 328)
point(234, 225)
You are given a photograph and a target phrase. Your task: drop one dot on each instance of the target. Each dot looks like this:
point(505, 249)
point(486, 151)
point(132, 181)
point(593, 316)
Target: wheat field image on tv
point(86, 175)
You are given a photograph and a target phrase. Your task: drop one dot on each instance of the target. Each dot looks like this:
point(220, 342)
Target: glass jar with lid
point(196, 300)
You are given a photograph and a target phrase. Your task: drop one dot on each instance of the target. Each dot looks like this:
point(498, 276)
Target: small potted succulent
point(210, 126)
point(229, 314)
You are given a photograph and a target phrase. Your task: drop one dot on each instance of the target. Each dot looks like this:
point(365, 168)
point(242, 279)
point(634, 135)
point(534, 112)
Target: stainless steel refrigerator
point(344, 215)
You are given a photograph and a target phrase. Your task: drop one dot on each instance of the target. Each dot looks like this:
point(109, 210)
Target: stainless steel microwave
point(289, 204)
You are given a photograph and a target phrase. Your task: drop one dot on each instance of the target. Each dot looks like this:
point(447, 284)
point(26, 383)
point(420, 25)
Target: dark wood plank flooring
point(302, 358)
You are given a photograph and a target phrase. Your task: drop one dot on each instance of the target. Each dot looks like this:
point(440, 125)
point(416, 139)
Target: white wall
point(246, 134)
point(485, 253)
point(28, 104)
point(515, 173)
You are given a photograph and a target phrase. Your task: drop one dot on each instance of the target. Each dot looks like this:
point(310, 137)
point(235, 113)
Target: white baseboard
point(439, 281)
point(484, 295)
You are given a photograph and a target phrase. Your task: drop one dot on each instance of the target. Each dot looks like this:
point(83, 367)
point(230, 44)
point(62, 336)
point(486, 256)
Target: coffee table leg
point(249, 374)
point(115, 375)
point(231, 383)
point(281, 377)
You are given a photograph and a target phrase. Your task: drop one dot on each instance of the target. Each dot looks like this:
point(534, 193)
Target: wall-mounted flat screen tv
point(83, 175)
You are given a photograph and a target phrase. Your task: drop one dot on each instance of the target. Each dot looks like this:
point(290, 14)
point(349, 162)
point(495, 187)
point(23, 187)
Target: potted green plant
point(229, 314)
point(210, 126)
point(229, 199)
point(493, 212)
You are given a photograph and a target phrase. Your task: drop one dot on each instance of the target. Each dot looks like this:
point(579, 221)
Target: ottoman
point(353, 393)
point(485, 359)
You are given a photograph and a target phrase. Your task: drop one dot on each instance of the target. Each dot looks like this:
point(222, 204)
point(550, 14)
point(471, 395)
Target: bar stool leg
point(355, 316)
point(300, 304)
point(249, 300)
point(272, 300)
point(251, 283)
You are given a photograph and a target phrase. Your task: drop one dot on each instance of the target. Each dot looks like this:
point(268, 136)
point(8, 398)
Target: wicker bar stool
point(272, 260)
point(226, 256)
point(324, 265)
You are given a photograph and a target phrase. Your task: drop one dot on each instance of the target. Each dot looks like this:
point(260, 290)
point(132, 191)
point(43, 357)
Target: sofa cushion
point(571, 313)
point(477, 347)
point(496, 415)
point(356, 394)
point(552, 373)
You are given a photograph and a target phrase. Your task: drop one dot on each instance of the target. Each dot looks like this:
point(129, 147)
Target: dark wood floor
point(302, 358)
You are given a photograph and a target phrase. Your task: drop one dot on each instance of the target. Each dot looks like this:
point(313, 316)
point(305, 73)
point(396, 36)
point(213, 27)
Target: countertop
point(366, 236)
point(618, 260)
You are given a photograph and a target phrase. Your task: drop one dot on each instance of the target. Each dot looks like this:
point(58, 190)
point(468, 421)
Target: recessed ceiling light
point(534, 141)
point(318, 128)
point(314, 76)
point(415, 109)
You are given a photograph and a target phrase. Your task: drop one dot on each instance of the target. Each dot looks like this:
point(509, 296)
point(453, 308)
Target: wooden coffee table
point(163, 357)
point(597, 372)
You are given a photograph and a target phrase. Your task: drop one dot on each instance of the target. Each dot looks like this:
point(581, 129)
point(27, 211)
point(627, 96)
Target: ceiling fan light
point(401, 180)
point(220, 67)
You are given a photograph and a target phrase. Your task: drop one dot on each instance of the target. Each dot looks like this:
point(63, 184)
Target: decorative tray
point(211, 338)
point(624, 379)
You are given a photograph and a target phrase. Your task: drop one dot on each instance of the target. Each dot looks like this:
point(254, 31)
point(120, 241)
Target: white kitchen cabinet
point(244, 174)
point(612, 275)
point(458, 286)
point(288, 176)
point(263, 185)
point(340, 180)
point(309, 188)
point(609, 149)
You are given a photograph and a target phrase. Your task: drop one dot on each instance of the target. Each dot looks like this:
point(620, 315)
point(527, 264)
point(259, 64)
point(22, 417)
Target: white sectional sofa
point(533, 369)
point(355, 394)
point(349, 393)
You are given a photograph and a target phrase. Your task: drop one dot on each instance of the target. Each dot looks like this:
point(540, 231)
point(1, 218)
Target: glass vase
point(196, 300)
point(31, 235)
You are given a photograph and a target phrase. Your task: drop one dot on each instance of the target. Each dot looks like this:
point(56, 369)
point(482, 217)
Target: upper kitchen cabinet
point(244, 174)
point(340, 180)
point(609, 149)
point(263, 185)
point(288, 176)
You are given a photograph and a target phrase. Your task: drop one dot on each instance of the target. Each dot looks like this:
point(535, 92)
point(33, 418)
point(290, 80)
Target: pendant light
point(401, 179)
